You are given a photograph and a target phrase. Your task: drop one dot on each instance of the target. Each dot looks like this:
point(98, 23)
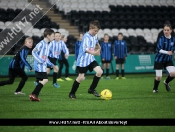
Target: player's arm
point(22, 55)
point(98, 46)
point(93, 52)
point(49, 63)
point(87, 48)
point(125, 49)
point(51, 49)
point(76, 52)
point(102, 52)
point(35, 53)
point(65, 49)
point(115, 50)
point(160, 48)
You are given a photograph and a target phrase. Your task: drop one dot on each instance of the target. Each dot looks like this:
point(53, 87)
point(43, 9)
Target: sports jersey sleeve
point(115, 48)
point(51, 49)
point(49, 63)
point(159, 44)
point(85, 44)
point(35, 53)
point(102, 51)
point(76, 50)
point(65, 49)
point(125, 49)
point(96, 40)
point(23, 55)
point(111, 51)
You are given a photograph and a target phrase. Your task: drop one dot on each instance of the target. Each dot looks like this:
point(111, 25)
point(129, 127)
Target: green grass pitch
point(132, 98)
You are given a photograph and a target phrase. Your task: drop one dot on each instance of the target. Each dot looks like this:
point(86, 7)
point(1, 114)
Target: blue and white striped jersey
point(19, 60)
point(88, 43)
point(164, 44)
point(77, 47)
point(63, 51)
point(106, 51)
point(40, 54)
point(55, 49)
point(120, 49)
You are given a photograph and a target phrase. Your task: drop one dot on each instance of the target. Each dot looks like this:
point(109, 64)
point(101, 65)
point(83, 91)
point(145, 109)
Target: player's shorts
point(106, 61)
point(90, 67)
point(53, 61)
point(120, 61)
point(41, 75)
point(160, 66)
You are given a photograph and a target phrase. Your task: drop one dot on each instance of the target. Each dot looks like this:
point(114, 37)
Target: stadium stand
point(139, 20)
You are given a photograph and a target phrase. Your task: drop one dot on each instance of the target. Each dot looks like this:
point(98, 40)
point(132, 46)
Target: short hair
point(167, 22)
point(94, 24)
point(81, 33)
point(106, 34)
point(47, 31)
point(168, 25)
point(120, 34)
point(57, 32)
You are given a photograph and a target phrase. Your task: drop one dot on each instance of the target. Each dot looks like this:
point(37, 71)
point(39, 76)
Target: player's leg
point(60, 70)
point(117, 70)
point(107, 70)
point(67, 70)
point(96, 78)
point(55, 74)
point(123, 71)
point(42, 76)
point(157, 80)
point(103, 67)
point(24, 78)
point(170, 77)
point(81, 72)
point(48, 70)
point(11, 79)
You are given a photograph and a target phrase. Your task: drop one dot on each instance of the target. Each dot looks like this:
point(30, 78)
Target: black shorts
point(106, 61)
point(120, 61)
point(52, 60)
point(160, 66)
point(16, 72)
point(90, 67)
point(41, 75)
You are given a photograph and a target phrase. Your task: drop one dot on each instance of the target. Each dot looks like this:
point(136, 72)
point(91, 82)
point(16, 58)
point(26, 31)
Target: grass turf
point(132, 98)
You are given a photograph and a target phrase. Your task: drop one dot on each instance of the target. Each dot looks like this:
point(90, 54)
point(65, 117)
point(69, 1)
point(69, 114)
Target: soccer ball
point(106, 94)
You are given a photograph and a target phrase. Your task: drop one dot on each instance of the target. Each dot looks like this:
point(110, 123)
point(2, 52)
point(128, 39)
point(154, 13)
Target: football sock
point(54, 77)
point(74, 87)
point(156, 84)
point(37, 89)
point(117, 72)
point(21, 84)
point(169, 79)
point(103, 72)
point(107, 72)
point(94, 82)
point(123, 73)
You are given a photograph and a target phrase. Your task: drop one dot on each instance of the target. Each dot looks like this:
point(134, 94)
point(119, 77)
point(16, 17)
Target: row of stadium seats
point(124, 17)
point(116, 2)
point(101, 5)
point(16, 5)
point(29, 30)
point(8, 15)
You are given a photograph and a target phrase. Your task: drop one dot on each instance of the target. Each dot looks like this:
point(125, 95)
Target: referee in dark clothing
point(16, 67)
